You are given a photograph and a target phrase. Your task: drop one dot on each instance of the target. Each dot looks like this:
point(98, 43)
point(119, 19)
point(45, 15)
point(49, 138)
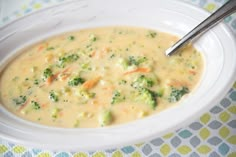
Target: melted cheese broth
point(98, 77)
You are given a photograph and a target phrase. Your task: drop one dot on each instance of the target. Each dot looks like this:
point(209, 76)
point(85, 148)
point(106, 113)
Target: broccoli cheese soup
point(98, 77)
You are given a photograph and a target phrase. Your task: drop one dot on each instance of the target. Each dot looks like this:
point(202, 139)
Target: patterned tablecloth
point(212, 135)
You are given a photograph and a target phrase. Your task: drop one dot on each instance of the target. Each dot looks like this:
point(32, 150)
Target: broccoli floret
point(148, 97)
point(71, 38)
point(50, 48)
point(160, 92)
point(20, 100)
point(47, 73)
point(136, 60)
point(72, 58)
point(85, 94)
point(143, 81)
point(53, 96)
point(124, 63)
point(76, 81)
point(132, 61)
point(151, 34)
point(112, 56)
point(105, 117)
point(36, 82)
point(35, 105)
point(117, 97)
point(55, 112)
point(92, 38)
point(86, 66)
point(176, 94)
point(122, 82)
point(67, 59)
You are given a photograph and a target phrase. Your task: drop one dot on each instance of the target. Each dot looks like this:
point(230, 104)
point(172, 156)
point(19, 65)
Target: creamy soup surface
point(98, 77)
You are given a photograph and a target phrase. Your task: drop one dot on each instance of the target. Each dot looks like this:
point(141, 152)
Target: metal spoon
point(227, 9)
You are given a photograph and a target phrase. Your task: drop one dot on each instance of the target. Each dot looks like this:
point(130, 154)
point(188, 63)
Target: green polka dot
point(3, 149)
point(165, 149)
point(224, 116)
point(24, 7)
point(136, 154)
point(205, 118)
point(224, 132)
point(99, 154)
point(233, 154)
point(37, 6)
point(232, 139)
point(18, 149)
point(232, 109)
point(210, 7)
point(234, 85)
point(184, 149)
point(168, 135)
point(44, 155)
point(80, 155)
point(203, 149)
point(117, 154)
point(139, 144)
point(204, 133)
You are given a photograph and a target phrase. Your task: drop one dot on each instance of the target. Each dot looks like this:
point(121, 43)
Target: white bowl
point(218, 47)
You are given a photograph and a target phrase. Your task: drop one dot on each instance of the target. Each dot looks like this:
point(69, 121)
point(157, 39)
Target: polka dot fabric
point(212, 135)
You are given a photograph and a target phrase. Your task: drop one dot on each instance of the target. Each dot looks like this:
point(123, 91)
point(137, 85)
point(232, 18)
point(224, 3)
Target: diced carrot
point(192, 72)
point(60, 113)
point(49, 80)
point(141, 70)
point(23, 106)
point(53, 77)
point(65, 76)
point(43, 46)
point(106, 49)
point(66, 70)
point(93, 54)
point(90, 83)
point(40, 48)
point(44, 105)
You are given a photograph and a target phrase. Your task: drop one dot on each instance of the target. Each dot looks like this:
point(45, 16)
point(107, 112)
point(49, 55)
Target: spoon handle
point(227, 9)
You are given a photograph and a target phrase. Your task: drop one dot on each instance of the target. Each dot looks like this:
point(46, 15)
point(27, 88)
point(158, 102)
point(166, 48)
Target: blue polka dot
point(27, 10)
point(233, 94)
point(36, 151)
point(127, 149)
point(62, 154)
point(185, 134)
point(223, 149)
